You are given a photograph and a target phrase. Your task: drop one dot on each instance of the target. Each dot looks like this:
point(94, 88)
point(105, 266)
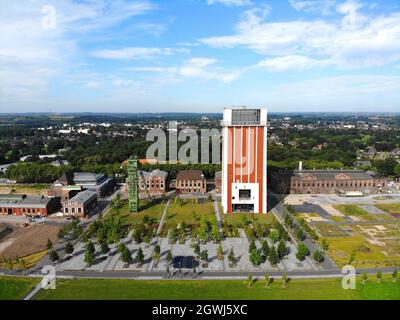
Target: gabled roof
point(190, 175)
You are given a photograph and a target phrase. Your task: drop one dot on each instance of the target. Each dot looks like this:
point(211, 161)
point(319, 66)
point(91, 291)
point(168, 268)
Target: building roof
point(87, 176)
point(155, 174)
point(83, 196)
point(23, 201)
point(329, 174)
point(190, 175)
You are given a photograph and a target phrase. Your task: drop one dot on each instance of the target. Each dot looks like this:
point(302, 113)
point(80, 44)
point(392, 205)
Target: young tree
point(139, 257)
point(282, 249)
point(23, 265)
point(126, 256)
point(169, 257)
point(232, 258)
point(325, 245)
point(395, 275)
point(204, 256)
point(252, 246)
point(273, 256)
point(220, 252)
point(69, 248)
point(49, 244)
point(53, 255)
point(90, 247)
point(284, 280)
point(379, 276)
point(318, 256)
point(104, 247)
point(215, 234)
point(302, 252)
point(265, 248)
point(274, 235)
point(267, 280)
point(89, 257)
point(196, 249)
point(364, 278)
point(300, 235)
point(250, 281)
point(255, 257)
point(156, 254)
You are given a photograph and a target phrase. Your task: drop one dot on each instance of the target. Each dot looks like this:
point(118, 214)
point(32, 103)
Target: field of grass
point(354, 210)
point(25, 189)
point(153, 211)
point(366, 255)
point(392, 208)
point(318, 289)
point(329, 230)
point(350, 210)
point(188, 212)
point(238, 219)
point(16, 288)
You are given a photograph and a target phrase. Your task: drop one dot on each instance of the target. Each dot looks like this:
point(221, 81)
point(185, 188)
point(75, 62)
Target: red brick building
point(156, 181)
point(84, 204)
point(21, 204)
point(191, 181)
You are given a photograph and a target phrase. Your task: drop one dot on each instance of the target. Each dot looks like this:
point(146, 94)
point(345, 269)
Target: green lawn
point(392, 208)
point(238, 219)
point(152, 211)
point(188, 212)
point(297, 289)
point(15, 288)
point(356, 211)
point(350, 210)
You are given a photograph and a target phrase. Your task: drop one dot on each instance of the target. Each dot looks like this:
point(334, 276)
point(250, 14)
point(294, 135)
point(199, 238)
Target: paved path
point(219, 220)
point(279, 211)
point(163, 218)
point(34, 291)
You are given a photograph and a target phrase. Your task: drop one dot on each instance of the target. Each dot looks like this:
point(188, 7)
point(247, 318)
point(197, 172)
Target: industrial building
point(191, 181)
point(83, 205)
point(96, 182)
point(22, 204)
point(342, 182)
point(155, 181)
point(244, 160)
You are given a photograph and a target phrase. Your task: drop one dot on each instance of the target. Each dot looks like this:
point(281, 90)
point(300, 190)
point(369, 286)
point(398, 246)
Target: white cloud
point(315, 6)
point(290, 62)
point(231, 3)
point(353, 41)
point(201, 62)
point(133, 53)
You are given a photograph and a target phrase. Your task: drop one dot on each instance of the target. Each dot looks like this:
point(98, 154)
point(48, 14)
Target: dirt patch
point(23, 242)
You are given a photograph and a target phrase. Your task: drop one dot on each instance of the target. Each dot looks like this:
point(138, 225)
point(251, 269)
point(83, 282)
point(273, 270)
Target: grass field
point(392, 208)
point(25, 189)
point(366, 255)
point(238, 219)
point(356, 211)
point(297, 289)
point(153, 211)
point(188, 212)
point(15, 288)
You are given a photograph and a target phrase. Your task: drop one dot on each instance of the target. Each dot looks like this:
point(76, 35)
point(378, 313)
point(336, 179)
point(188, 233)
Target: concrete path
point(219, 220)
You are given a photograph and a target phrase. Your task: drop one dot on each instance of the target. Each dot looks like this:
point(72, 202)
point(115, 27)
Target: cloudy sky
point(199, 55)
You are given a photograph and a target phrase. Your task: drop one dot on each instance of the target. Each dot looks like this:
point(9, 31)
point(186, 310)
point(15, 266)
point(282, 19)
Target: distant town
point(296, 195)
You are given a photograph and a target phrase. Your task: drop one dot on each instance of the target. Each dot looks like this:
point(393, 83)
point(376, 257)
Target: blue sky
point(199, 55)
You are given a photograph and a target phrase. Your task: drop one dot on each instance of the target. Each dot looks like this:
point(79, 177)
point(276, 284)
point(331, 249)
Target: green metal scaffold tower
point(133, 184)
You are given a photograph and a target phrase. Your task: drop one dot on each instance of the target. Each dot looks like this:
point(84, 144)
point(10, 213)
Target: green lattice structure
point(133, 184)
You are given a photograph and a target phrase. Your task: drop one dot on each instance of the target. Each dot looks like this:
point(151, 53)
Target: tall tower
point(244, 160)
point(133, 184)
